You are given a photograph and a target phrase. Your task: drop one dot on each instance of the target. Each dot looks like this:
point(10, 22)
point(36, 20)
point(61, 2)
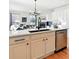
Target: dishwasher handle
point(63, 31)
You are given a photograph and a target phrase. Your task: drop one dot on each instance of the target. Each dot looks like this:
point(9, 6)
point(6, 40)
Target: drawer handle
point(19, 40)
point(43, 39)
point(62, 31)
point(46, 39)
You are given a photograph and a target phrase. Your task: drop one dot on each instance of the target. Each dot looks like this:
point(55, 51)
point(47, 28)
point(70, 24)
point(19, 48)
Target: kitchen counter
point(26, 32)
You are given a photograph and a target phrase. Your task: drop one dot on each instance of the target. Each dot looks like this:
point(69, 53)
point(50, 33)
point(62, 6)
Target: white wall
point(61, 14)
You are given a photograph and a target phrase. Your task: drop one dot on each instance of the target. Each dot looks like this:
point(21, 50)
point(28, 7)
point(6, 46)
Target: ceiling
point(42, 5)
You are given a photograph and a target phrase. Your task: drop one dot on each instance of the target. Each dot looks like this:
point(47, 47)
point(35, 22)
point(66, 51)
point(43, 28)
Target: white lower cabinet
point(50, 44)
point(42, 46)
point(10, 52)
point(37, 46)
point(19, 51)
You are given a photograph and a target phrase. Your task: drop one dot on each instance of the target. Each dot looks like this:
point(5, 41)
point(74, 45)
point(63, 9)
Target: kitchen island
point(37, 45)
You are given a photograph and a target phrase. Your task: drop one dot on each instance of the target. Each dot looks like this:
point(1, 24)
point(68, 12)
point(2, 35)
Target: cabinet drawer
point(37, 36)
point(50, 34)
point(18, 40)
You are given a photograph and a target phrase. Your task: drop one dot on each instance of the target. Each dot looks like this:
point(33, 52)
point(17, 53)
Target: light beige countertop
point(26, 32)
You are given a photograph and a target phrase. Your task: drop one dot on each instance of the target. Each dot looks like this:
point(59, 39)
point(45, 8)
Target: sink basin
point(39, 30)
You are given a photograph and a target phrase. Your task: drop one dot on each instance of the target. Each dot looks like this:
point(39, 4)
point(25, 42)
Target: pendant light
point(35, 13)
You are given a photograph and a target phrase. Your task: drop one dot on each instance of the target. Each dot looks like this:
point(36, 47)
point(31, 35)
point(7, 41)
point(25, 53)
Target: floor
point(59, 55)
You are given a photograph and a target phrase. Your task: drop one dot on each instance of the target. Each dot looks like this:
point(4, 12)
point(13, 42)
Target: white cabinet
point(37, 48)
point(19, 50)
point(43, 45)
point(50, 43)
point(10, 52)
point(33, 46)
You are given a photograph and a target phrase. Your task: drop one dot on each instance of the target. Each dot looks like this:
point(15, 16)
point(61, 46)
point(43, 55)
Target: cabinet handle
point(19, 40)
point(43, 39)
point(46, 39)
point(27, 43)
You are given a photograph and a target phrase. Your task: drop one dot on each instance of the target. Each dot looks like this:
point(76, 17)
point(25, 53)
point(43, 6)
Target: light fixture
point(35, 10)
point(35, 13)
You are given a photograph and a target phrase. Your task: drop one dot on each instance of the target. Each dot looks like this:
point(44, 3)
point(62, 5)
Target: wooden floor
point(59, 55)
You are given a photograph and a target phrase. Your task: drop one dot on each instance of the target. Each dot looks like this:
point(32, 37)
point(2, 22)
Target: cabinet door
point(50, 44)
point(11, 52)
point(20, 51)
point(37, 48)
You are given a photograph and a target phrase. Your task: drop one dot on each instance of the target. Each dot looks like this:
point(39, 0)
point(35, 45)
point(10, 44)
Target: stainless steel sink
point(32, 31)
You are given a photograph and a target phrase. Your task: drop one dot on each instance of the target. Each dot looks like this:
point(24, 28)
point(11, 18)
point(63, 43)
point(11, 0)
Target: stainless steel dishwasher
point(61, 39)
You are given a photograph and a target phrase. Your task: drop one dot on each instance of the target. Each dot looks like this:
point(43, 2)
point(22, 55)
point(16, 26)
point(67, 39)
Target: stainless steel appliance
point(61, 39)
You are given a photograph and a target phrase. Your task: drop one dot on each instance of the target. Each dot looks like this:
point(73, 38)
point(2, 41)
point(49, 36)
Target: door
point(20, 51)
point(50, 44)
point(37, 48)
